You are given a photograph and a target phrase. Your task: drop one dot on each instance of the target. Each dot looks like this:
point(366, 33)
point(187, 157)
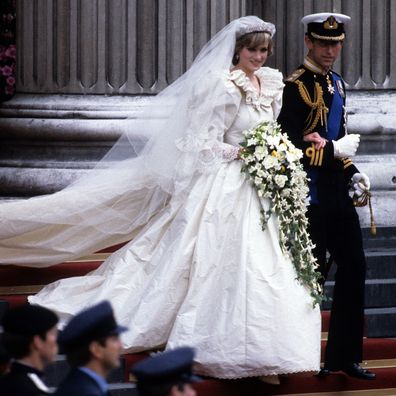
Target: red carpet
point(296, 383)
point(18, 282)
point(374, 349)
point(11, 275)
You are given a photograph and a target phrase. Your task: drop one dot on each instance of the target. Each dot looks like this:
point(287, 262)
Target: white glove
point(360, 182)
point(346, 146)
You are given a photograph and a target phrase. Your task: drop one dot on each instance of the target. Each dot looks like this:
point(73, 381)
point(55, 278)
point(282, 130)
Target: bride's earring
point(235, 59)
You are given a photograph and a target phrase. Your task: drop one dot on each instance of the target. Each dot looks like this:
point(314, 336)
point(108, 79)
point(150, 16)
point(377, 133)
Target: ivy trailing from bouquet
point(272, 163)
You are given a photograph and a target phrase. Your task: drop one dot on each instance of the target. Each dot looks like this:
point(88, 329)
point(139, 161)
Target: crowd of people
point(92, 347)
point(205, 265)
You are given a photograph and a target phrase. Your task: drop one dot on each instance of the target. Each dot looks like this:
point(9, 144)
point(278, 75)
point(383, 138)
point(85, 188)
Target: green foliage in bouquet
point(272, 163)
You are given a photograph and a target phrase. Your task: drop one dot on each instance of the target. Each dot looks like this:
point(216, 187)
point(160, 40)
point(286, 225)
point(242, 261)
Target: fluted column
point(113, 46)
point(368, 59)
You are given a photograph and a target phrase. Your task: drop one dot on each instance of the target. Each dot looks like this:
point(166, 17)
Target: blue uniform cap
point(171, 366)
point(91, 324)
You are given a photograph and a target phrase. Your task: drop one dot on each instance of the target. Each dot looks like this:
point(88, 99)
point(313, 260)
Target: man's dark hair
point(18, 346)
point(80, 355)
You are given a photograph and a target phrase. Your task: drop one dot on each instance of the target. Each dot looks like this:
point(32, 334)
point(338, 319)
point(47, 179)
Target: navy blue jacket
point(22, 380)
point(79, 383)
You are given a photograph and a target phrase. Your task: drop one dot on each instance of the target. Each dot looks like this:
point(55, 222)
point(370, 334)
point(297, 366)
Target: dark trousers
point(338, 231)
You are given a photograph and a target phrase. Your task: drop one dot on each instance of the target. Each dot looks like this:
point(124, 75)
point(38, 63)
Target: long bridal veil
point(176, 137)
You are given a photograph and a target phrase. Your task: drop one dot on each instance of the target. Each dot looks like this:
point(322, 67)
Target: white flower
point(257, 181)
point(282, 147)
point(249, 158)
point(259, 152)
point(270, 162)
point(281, 156)
point(286, 192)
point(252, 141)
point(280, 180)
point(273, 140)
point(260, 173)
point(274, 162)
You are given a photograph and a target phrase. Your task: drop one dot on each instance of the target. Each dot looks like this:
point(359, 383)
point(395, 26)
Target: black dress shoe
point(323, 373)
point(356, 371)
point(353, 370)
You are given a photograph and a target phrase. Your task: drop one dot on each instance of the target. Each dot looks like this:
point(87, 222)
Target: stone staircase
point(48, 140)
point(380, 300)
point(16, 283)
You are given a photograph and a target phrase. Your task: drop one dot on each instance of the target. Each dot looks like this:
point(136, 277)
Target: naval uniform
point(314, 101)
point(82, 383)
point(23, 380)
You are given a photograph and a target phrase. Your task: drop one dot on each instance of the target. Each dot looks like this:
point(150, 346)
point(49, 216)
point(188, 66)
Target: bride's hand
point(241, 150)
point(315, 138)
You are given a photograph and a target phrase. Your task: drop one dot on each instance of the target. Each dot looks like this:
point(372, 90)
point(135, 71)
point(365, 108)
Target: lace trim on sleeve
point(230, 152)
point(211, 112)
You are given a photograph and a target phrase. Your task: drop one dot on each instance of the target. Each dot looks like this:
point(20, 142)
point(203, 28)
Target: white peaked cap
point(322, 16)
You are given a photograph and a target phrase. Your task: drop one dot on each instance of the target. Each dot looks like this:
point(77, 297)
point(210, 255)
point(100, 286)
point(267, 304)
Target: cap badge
point(330, 23)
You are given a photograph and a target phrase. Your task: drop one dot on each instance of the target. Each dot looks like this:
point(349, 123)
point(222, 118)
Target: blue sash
point(333, 129)
point(336, 111)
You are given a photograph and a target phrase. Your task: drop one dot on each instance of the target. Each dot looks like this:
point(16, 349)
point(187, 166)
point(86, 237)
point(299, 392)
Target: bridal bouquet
point(273, 165)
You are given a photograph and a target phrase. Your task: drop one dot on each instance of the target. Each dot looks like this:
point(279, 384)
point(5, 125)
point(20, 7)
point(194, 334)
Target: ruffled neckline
point(271, 86)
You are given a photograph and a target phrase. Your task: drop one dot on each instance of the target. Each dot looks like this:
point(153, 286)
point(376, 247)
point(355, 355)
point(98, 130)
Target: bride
point(198, 269)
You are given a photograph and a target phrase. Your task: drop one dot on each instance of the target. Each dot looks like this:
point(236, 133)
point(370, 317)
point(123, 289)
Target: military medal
point(330, 87)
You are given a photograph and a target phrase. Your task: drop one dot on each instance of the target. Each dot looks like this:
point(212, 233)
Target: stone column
point(83, 68)
point(128, 47)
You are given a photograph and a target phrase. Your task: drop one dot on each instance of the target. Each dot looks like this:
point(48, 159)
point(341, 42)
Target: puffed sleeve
point(212, 109)
point(272, 81)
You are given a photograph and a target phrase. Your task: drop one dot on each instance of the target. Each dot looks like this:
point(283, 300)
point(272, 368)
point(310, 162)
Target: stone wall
point(85, 67)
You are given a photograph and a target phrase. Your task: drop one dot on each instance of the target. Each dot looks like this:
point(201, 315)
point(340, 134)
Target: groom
point(314, 117)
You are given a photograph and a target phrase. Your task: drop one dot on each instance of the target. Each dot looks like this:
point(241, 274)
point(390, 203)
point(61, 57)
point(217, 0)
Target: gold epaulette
point(293, 77)
point(347, 162)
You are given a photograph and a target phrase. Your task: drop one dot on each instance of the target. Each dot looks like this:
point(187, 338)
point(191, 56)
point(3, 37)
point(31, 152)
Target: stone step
point(379, 356)
point(26, 152)
point(28, 182)
point(380, 303)
point(380, 322)
point(123, 389)
point(381, 264)
point(380, 293)
point(305, 384)
point(385, 238)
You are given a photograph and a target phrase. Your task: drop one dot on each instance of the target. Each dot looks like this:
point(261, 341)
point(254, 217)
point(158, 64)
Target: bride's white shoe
point(270, 379)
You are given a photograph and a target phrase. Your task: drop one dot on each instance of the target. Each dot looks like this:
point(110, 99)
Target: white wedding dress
point(202, 273)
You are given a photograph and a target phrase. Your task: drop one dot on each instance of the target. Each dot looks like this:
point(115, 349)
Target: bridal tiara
point(257, 27)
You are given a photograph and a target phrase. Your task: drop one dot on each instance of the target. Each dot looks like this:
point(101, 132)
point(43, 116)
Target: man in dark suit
point(29, 336)
point(314, 117)
point(92, 346)
point(166, 374)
